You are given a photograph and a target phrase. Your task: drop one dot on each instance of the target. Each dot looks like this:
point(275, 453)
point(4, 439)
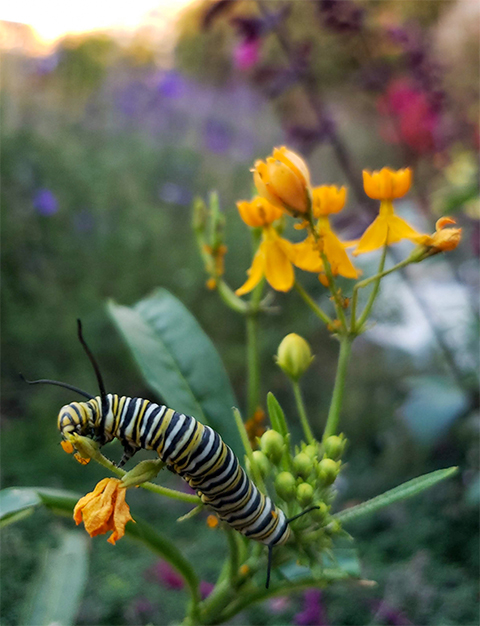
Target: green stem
point(259, 595)
point(163, 491)
point(302, 412)
point(313, 306)
point(234, 554)
point(337, 396)
point(230, 298)
point(334, 291)
point(373, 295)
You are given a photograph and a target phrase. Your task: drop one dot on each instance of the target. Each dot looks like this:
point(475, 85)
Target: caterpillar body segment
point(193, 451)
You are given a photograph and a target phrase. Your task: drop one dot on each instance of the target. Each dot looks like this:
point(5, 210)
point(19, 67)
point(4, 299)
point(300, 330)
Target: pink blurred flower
point(416, 120)
point(246, 54)
point(166, 575)
point(279, 604)
point(206, 589)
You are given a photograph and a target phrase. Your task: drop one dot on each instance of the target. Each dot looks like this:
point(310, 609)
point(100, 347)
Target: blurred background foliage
point(105, 144)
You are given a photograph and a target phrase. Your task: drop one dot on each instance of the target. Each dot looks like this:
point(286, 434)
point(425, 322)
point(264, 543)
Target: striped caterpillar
point(195, 452)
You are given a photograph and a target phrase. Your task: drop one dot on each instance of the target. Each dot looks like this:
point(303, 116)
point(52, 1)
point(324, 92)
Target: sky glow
point(52, 19)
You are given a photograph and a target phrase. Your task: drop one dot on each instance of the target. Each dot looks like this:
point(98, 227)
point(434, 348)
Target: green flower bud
point(311, 450)
point(305, 494)
point(87, 448)
point(334, 446)
point(294, 356)
point(143, 472)
point(285, 486)
point(272, 444)
point(333, 527)
point(328, 471)
point(261, 462)
point(302, 464)
point(320, 514)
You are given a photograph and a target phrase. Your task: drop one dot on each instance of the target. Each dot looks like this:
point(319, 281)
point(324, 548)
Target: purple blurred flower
point(172, 85)
point(46, 65)
point(313, 613)
point(246, 54)
point(45, 203)
point(164, 573)
point(206, 589)
point(217, 136)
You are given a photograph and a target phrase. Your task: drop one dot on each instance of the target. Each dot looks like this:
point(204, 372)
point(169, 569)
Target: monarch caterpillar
point(192, 450)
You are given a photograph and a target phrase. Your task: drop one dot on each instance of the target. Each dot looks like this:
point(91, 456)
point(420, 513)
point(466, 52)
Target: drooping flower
point(443, 239)
point(387, 228)
point(284, 180)
point(274, 256)
point(104, 509)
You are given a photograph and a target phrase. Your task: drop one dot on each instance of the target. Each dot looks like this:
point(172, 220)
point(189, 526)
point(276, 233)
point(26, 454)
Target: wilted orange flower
point(387, 184)
point(273, 260)
point(284, 180)
point(255, 426)
point(328, 199)
point(259, 212)
point(104, 509)
point(443, 239)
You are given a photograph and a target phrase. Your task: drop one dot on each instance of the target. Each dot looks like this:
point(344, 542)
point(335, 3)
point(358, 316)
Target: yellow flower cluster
point(283, 185)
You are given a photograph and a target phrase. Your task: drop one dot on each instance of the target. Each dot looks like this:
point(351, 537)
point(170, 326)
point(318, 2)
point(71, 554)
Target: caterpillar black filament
point(192, 450)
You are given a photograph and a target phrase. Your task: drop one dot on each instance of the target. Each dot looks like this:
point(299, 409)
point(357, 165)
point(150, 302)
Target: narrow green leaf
point(276, 414)
point(178, 360)
point(407, 490)
point(59, 585)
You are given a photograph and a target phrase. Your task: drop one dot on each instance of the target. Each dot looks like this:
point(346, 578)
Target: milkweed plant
point(299, 476)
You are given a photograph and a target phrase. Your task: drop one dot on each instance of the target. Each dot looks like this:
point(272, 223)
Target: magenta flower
point(246, 54)
point(166, 575)
point(45, 202)
point(313, 613)
point(206, 589)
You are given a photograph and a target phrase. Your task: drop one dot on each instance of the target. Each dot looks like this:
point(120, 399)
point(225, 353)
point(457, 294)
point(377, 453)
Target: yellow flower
point(443, 239)
point(307, 253)
point(104, 509)
point(328, 199)
point(387, 184)
point(284, 180)
point(273, 260)
point(387, 229)
point(259, 212)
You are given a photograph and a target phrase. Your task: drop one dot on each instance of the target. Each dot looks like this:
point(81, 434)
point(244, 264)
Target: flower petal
point(255, 273)
point(374, 237)
point(278, 267)
point(399, 229)
point(337, 256)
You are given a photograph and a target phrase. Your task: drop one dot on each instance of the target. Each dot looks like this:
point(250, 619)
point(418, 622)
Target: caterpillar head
point(74, 418)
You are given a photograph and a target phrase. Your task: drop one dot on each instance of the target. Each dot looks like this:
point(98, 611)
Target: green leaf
point(59, 585)
point(178, 360)
point(407, 490)
point(16, 503)
point(276, 414)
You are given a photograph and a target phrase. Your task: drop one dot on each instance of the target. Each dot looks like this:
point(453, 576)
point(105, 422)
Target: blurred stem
point(312, 305)
point(234, 554)
point(337, 395)
point(227, 294)
point(163, 491)
point(376, 287)
point(302, 413)
point(334, 291)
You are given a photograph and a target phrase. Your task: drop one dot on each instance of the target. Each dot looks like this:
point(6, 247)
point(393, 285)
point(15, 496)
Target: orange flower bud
point(387, 184)
point(284, 180)
point(443, 239)
point(212, 521)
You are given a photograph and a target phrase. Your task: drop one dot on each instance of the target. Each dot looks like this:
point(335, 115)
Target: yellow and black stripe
point(194, 451)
